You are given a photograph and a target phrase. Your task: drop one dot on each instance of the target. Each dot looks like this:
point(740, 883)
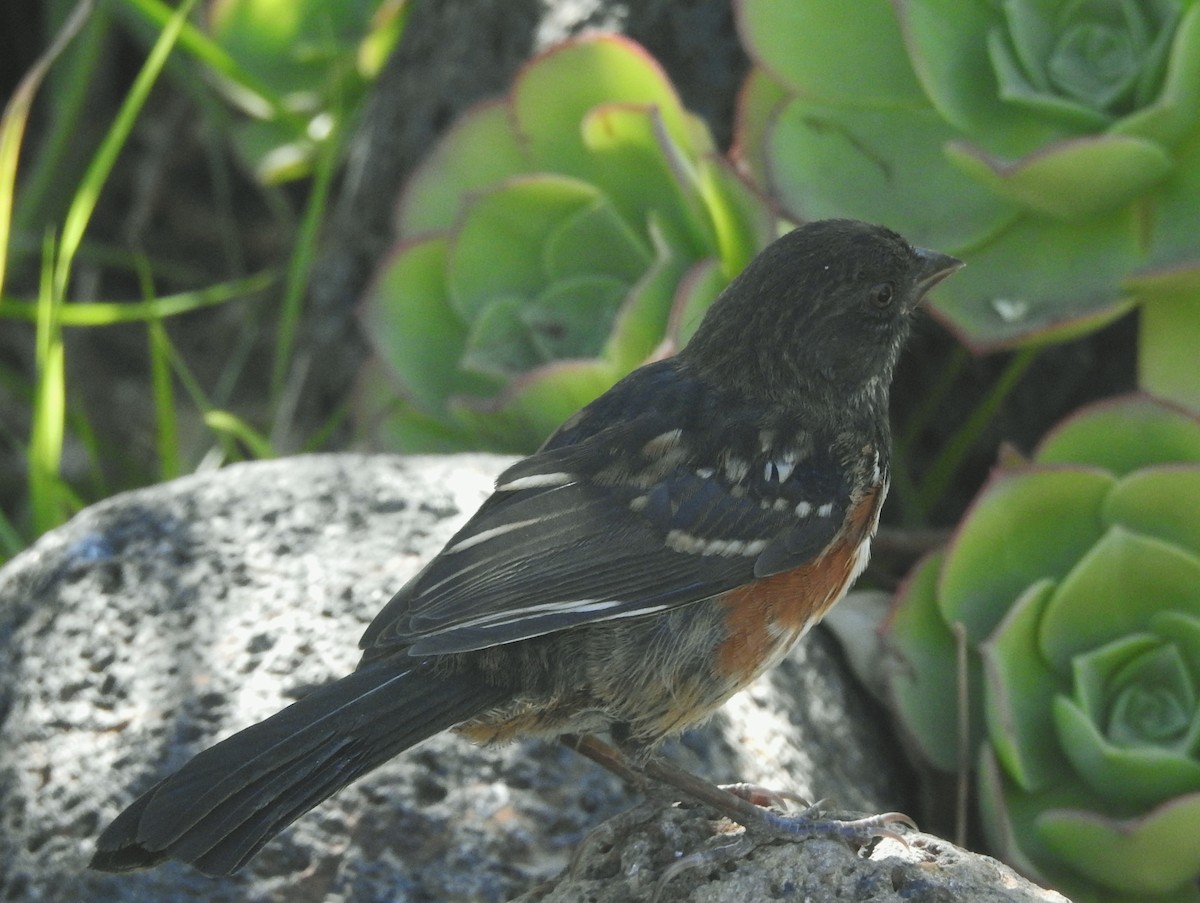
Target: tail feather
point(222, 807)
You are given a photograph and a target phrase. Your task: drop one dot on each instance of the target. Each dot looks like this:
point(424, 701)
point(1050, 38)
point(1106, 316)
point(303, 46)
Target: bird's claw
point(809, 823)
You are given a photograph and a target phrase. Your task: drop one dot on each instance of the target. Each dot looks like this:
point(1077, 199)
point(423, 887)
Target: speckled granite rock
point(678, 854)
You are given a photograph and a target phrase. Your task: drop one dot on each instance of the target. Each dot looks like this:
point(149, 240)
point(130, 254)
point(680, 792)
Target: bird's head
point(820, 313)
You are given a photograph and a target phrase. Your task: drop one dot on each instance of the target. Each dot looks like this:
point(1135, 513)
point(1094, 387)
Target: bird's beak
point(935, 266)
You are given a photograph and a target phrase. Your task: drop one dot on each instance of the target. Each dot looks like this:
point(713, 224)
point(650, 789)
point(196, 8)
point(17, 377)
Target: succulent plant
point(1075, 578)
point(1052, 144)
point(313, 59)
point(551, 242)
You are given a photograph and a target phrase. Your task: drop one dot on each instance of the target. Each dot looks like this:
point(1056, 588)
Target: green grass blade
point(165, 420)
point(86, 196)
point(108, 313)
point(235, 428)
point(233, 433)
point(166, 424)
point(16, 116)
point(303, 256)
point(252, 94)
point(46, 498)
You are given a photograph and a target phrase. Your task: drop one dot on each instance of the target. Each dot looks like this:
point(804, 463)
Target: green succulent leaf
point(1114, 590)
point(534, 405)
point(1172, 257)
point(314, 59)
point(1021, 687)
point(640, 323)
point(1124, 435)
point(572, 317)
point(497, 250)
point(595, 241)
point(640, 166)
point(1167, 348)
point(479, 150)
point(1128, 776)
point(1155, 853)
point(742, 224)
point(697, 291)
point(1176, 109)
point(1026, 525)
point(552, 96)
point(948, 41)
point(1100, 58)
point(1015, 56)
point(1009, 817)
point(1154, 701)
point(1183, 630)
point(405, 309)
point(1092, 671)
point(996, 301)
point(879, 165)
point(1070, 180)
point(275, 151)
point(832, 51)
point(405, 428)
point(292, 47)
point(761, 98)
point(499, 343)
point(923, 676)
point(1159, 501)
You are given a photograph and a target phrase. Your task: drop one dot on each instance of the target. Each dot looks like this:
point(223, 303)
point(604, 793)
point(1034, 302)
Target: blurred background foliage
point(168, 179)
point(172, 168)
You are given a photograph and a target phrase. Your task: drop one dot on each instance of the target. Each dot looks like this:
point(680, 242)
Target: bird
point(670, 542)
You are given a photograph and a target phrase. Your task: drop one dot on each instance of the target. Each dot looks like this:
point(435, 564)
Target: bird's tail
point(221, 808)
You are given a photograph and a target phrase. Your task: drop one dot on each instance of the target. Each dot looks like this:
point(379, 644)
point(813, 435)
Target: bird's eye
point(882, 295)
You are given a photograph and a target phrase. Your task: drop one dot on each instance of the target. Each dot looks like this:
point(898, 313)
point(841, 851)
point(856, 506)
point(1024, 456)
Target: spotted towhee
point(668, 544)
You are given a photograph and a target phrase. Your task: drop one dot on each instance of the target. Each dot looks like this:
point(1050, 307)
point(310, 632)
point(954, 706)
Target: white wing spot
point(682, 541)
point(736, 469)
point(825, 510)
point(803, 509)
point(781, 468)
point(785, 467)
point(536, 481)
point(705, 473)
point(662, 444)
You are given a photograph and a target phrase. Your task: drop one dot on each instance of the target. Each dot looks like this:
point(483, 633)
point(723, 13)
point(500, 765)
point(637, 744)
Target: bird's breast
point(764, 619)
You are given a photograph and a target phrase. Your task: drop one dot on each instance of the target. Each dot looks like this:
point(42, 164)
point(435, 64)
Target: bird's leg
point(604, 755)
point(739, 802)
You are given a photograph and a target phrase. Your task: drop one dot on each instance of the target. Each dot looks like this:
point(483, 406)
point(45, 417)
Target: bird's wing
point(620, 518)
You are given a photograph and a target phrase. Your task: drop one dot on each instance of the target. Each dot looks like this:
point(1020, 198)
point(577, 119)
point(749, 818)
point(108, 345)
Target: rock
point(680, 855)
point(161, 620)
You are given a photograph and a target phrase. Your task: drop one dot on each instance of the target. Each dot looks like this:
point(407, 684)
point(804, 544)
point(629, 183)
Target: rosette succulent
point(309, 62)
point(1052, 144)
point(551, 242)
point(1075, 579)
